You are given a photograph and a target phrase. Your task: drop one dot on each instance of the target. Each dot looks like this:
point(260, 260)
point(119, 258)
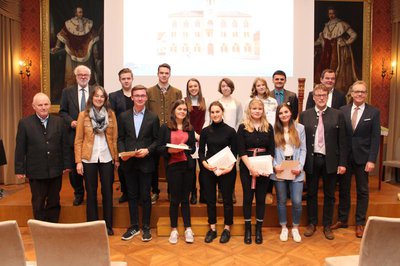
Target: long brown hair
point(279, 131)
point(188, 100)
point(89, 103)
point(248, 121)
point(172, 124)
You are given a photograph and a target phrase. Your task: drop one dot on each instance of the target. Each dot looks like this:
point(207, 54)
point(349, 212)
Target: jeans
point(296, 189)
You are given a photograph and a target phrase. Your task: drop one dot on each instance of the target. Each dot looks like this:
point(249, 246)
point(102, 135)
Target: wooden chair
point(78, 244)
point(380, 245)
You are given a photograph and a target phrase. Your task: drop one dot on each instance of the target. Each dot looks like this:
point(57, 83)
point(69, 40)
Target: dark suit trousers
point(329, 185)
point(75, 179)
point(138, 185)
point(122, 180)
point(362, 193)
point(46, 198)
point(154, 178)
point(91, 173)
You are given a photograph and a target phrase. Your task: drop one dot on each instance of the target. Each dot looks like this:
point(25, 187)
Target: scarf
point(99, 119)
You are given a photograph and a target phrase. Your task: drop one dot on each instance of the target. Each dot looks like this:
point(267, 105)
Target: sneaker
point(296, 235)
point(189, 235)
point(146, 237)
point(284, 234)
point(173, 237)
point(130, 233)
point(154, 198)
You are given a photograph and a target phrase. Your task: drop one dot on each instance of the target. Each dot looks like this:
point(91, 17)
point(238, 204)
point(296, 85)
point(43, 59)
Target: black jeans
point(329, 184)
point(91, 172)
point(154, 176)
point(138, 185)
point(75, 179)
point(46, 198)
point(179, 177)
point(226, 184)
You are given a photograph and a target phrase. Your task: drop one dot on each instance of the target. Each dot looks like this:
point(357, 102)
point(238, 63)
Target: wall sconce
point(385, 72)
point(25, 68)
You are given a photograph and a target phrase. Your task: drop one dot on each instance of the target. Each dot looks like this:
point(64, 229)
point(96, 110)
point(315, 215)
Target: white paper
point(176, 146)
point(222, 160)
point(195, 155)
point(262, 164)
point(288, 166)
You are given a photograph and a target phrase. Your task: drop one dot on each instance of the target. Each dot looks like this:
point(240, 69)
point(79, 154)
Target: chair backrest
point(70, 244)
point(380, 244)
point(11, 248)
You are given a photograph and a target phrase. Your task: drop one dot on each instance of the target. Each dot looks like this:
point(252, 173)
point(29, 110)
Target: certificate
point(262, 164)
point(222, 160)
point(127, 153)
point(288, 166)
point(177, 146)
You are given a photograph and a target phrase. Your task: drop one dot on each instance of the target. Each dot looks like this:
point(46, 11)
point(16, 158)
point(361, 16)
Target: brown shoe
point(328, 233)
point(338, 225)
point(359, 231)
point(310, 230)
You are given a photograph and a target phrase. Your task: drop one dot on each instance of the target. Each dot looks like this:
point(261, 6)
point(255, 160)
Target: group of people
point(131, 128)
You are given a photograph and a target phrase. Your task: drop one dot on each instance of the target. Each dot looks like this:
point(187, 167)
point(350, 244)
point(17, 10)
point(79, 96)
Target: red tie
point(321, 138)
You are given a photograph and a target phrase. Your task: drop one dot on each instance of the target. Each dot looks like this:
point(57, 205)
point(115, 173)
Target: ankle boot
point(259, 238)
point(247, 232)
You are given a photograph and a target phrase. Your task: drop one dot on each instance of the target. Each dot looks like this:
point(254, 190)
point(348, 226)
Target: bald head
point(41, 104)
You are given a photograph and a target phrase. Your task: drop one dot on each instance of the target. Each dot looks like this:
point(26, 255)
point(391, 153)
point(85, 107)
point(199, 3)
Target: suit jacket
point(69, 109)
point(291, 99)
point(161, 104)
point(338, 100)
point(363, 143)
point(42, 153)
point(117, 101)
point(148, 137)
point(335, 138)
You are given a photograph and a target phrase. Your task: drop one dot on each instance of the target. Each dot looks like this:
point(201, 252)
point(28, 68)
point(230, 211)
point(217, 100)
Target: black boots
point(259, 238)
point(247, 232)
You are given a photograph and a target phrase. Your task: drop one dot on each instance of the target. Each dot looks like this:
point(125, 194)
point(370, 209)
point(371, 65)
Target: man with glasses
point(326, 157)
point(282, 95)
point(363, 133)
point(73, 101)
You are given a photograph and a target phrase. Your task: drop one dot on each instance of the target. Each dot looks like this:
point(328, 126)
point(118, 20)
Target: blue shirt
point(137, 120)
point(43, 121)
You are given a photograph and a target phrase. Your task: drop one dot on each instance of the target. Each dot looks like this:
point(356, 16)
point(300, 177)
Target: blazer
point(338, 100)
point(161, 104)
point(291, 99)
point(42, 153)
point(117, 101)
point(335, 138)
point(363, 143)
point(147, 138)
point(164, 137)
point(69, 109)
point(299, 154)
point(84, 138)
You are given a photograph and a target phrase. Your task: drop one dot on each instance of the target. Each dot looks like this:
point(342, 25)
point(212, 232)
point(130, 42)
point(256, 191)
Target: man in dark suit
point(73, 101)
point(282, 95)
point(138, 131)
point(363, 133)
point(120, 102)
point(326, 157)
point(336, 99)
point(42, 155)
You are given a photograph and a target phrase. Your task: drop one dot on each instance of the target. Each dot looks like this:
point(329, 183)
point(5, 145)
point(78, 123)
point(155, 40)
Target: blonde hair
point(248, 121)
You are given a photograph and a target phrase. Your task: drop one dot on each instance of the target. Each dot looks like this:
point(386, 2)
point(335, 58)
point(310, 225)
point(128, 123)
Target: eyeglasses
point(140, 96)
point(360, 92)
point(321, 95)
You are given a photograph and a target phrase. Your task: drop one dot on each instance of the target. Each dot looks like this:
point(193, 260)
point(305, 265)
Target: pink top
point(177, 137)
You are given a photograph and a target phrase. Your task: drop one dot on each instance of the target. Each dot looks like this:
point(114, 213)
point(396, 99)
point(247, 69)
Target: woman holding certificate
point(290, 155)
point(255, 137)
point(177, 143)
point(217, 137)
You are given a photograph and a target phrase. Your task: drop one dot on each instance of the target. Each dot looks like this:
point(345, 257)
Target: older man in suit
point(42, 155)
point(73, 101)
point(282, 95)
point(138, 132)
point(336, 99)
point(326, 157)
point(363, 133)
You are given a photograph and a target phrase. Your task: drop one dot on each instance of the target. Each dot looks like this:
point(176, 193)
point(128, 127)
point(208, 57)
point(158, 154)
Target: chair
point(380, 245)
point(395, 163)
point(76, 244)
point(12, 251)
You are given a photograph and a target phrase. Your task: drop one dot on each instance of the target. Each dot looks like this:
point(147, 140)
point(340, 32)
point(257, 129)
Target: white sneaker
point(173, 237)
point(296, 235)
point(284, 235)
point(189, 236)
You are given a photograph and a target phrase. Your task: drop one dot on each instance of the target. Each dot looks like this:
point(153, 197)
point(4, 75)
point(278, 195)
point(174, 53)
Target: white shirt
point(288, 146)
point(86, 89)
point(359, 114)
point(100, 152)
point(330, 95)
point(233, 113)
point(318, 149)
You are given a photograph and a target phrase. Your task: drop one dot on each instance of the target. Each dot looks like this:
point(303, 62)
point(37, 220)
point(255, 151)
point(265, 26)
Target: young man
point(282, 95)
point(138, 131)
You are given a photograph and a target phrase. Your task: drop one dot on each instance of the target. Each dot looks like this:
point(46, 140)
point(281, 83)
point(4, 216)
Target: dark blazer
point(291, 99)
point(335, 138)
point(164, 137)
point(42, 153)
point(148, 136)
point(338, 100)
point(69, 109)
point(363, 143)
point(117, 101)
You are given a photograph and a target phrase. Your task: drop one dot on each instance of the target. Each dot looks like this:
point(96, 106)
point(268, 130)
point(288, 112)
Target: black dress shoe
point(193, 198)
point(123, 198)
point(110, 231)
point(78, 200)
point(210, 236)
point(225, 236)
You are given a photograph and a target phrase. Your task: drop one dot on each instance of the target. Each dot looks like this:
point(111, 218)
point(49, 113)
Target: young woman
point(197, 112)
point(96, 153)
point(261, 91)
point(217, 136)
point(290, 142)
point(180, 166)
point(255, 138)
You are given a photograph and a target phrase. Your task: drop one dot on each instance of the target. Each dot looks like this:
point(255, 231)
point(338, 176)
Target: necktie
point(83, 100)
point(321, 138)
point(163, 90)
point(354, 118)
